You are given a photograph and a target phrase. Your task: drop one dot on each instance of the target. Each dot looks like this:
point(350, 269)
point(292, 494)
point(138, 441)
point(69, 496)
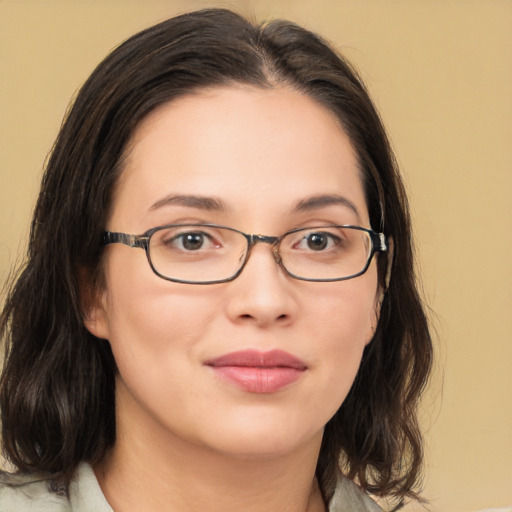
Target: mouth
point(258, 372)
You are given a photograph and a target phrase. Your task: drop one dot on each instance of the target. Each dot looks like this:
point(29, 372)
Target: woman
point(225, 314)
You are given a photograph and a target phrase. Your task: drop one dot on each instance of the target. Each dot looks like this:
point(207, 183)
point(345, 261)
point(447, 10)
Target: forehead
point(258, 150)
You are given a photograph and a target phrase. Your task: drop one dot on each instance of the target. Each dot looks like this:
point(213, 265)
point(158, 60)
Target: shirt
point(29, 493)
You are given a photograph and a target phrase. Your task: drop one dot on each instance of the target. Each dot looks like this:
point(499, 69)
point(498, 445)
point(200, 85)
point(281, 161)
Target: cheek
point(348, 311)
point(152, 321)
point(151, 326)
point(154, 339)
point(345, 322)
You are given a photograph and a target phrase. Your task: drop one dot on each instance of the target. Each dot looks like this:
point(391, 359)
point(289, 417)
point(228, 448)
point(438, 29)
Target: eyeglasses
point(208, 253)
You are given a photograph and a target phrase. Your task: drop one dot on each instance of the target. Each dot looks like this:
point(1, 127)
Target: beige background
point(441, 74)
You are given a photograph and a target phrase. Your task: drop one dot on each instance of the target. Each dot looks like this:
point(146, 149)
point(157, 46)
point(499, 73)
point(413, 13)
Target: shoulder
point(350, 497)
point(30, 493)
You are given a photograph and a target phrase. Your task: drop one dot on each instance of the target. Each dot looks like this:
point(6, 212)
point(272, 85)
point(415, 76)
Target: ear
point(381, 293)
point(93, 302)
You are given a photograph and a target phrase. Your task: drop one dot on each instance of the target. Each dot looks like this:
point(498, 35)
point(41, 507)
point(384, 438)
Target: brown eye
point(191, 241)
point(317, 241)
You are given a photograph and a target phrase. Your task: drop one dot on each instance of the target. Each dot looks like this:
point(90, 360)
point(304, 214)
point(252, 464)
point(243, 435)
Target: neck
point(153, 470)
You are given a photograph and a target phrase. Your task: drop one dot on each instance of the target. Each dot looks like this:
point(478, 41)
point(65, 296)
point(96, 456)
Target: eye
point(191, 241)
point(317, 241)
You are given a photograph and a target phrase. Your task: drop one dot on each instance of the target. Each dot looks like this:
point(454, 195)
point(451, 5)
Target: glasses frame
point(379, 243)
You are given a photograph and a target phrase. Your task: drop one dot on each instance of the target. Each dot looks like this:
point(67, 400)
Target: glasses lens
point(197, 253)
point(326, 253)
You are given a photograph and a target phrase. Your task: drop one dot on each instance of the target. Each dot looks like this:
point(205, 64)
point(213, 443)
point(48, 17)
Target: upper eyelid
point(181, 234)
point(190, 229)
point(190, 225)
point(320, 227)
point(304, 232)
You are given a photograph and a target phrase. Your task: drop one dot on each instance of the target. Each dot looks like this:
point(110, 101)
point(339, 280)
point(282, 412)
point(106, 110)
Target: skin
point(187, 439)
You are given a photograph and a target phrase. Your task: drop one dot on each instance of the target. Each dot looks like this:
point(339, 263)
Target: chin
point(265, 443)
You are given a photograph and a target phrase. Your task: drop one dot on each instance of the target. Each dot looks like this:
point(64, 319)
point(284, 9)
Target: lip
point(258, 372)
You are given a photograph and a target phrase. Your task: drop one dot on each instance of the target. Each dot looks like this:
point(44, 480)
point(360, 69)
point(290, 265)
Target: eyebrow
point(321, 201)
point(191, 201)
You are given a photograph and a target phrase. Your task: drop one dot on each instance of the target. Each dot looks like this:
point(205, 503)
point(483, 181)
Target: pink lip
point(259, 372)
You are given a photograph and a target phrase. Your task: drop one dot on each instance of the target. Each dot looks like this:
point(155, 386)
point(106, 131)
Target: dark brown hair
point(57, 387)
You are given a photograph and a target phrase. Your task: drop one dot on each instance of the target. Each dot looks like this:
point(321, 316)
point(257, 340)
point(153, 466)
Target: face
point(197, 363)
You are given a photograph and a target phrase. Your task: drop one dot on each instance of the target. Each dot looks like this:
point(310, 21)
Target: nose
point(262, 294)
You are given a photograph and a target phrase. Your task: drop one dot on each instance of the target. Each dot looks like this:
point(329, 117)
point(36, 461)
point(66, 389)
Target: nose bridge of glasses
point(254, 239)
point(264, 239)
